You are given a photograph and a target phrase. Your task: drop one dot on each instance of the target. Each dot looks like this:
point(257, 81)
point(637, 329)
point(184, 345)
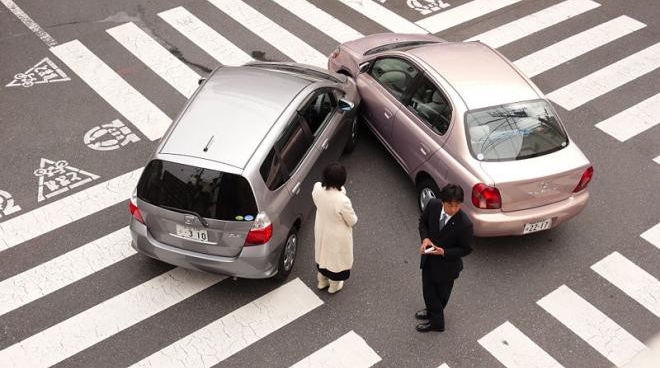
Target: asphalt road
point(503, 279)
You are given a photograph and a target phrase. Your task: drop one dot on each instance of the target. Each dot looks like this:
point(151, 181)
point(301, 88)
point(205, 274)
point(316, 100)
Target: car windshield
point(514, 132)
point(204, 192)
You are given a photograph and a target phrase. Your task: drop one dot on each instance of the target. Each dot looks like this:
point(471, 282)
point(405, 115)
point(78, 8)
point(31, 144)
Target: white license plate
point(192, 233)
point(537, 226)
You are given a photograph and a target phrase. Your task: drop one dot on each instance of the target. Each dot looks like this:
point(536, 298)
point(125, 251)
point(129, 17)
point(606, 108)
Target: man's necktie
point(443, 219)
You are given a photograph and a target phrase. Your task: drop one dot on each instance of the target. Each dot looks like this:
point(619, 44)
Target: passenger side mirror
point(364, 67)
point(345, 105)
point(200, 81)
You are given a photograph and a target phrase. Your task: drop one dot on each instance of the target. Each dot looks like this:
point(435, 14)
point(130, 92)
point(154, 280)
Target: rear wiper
point(199, 217)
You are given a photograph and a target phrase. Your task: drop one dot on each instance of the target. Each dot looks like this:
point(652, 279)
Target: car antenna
point(206, 148)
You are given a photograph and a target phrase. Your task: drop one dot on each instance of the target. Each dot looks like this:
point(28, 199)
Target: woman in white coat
point(333, 232)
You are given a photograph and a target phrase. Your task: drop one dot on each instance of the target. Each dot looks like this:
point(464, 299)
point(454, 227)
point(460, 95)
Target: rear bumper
point(512, 223)
point(254, 262)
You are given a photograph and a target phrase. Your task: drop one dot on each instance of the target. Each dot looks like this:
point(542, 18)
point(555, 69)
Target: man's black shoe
point(422, 314)
point(426, 327)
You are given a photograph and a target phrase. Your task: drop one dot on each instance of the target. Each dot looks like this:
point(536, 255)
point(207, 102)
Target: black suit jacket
point(456, 238)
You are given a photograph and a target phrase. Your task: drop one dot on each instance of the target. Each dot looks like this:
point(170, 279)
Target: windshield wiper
point(199, 217)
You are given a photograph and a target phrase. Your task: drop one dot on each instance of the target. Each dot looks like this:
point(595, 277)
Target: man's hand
point(426, 243)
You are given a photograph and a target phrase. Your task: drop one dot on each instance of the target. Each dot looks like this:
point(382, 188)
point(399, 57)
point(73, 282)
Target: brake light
point(135, 211)
point(585, 179)
point(487, 197)
point(261, 231)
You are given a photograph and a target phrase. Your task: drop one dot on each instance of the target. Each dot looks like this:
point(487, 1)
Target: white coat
point(333, 232)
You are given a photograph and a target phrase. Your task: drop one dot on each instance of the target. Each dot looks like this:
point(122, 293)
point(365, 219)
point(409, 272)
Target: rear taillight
point(261, 231)
point(484, 196)
point(133, 208)
point(585, 179)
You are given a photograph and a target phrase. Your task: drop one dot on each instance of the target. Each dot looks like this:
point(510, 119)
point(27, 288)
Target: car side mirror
point(200, 81)
point(364, 67)
point(345, 105)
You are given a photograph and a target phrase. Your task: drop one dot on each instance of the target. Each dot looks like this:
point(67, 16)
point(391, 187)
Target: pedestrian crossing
point(242, 327)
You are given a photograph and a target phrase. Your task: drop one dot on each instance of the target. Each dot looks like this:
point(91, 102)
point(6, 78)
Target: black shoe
point(426, 327)
point(422, 314)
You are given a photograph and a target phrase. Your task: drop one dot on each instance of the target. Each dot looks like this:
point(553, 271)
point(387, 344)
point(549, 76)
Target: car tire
point(426, 190)
point(288, 255)
point(354, 134)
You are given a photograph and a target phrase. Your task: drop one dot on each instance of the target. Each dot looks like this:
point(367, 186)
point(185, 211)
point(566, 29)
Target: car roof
point(478, 73)
point(232, 113)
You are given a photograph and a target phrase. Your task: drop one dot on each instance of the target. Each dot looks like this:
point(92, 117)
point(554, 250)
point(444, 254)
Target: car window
point(209, 193)
point(514, 132)
point(431, 105)
point(286, 155)
point(319, 110)
point(396, 75)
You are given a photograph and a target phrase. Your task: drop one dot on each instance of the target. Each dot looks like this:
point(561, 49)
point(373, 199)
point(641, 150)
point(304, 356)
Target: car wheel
point(426, 190)
point(288, 255)
point(353, 138)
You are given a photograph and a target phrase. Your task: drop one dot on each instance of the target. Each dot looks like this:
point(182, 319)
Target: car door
point(382, 88)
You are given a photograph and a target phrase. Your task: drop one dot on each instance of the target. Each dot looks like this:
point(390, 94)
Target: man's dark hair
point(451, 193)
point(334, 176)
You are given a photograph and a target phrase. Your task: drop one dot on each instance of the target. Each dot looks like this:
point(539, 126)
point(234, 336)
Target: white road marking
point(530, 24)
point(443, 365)
point(64, 270)
point(657, 160)
point(634, 120)
point(271, 32)
point(576, 45)
point(237, 330)
point(143, 114)
point(156, 57)
point(320, 20)
point(349, 350)
point(652, 235)
point(515, 350)
point(31, 24)
point(383, 16)
point(205, 37)
point(96, 324)
point(631, 279)
point(590, 324)
point(608, 78)
point(72, 208)
point(463, 13)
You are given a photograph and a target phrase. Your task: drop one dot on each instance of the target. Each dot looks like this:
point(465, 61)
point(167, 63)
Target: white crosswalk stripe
point(156, 57)
point(590, 324)
point(533, 23)
point(321, 20)
point(634, 120)
point(143, 114)
point(463, 13)
point(237, 330)
point(515, 350)
point(383, 16)
point(652, 235)
point(631, 279)
point(349, 350)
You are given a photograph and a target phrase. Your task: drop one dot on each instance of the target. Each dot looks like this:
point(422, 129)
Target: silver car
point(229, 185)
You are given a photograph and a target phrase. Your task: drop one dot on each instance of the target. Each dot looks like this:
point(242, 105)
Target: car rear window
point(209, 193)
point(514, 132)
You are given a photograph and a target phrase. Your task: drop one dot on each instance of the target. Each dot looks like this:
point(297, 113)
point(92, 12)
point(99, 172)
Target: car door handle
point(296, 189)
point(325, 144)
point(388, 115)
point(423, 149)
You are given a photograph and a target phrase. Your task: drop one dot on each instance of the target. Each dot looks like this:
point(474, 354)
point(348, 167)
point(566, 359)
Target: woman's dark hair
point(451, 193)
point(334, 176)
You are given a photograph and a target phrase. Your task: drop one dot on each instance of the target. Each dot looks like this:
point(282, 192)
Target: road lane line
point(461, 14)
point(576, 45)
point(64, 211)
point(237, 330)
point(156, 57)
point(631, 279)
point(652, 235)
point(443, 365)
point(514, 349)
point(31, 24)
point(64, 270)
point(317, 18)
point(98, 323)
point(590, 324)
point(143, 114)
point(657, 160)
point(634, 120)
point(383, 16)
point(205, 37)
point(349, 350)
point(607, 79)
point(271, 32)
point(530, 24)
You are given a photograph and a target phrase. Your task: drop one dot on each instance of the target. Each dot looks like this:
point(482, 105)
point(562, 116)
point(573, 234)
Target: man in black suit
point(447, 235)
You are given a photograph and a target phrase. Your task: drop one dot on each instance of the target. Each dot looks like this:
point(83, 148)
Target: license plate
point(192, 233)
point(537, 226)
